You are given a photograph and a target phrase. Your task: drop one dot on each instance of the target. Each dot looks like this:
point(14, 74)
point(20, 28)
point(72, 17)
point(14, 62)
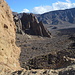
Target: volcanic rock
point(18, 23)
point(30, 25)
point(9, 52)
point(50, 61)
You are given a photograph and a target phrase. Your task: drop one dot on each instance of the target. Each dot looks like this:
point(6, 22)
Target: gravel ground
point(32, 46)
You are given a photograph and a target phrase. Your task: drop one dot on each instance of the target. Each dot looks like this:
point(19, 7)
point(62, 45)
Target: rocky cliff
point(9, 52)
point(30, 25)
point(18, 23)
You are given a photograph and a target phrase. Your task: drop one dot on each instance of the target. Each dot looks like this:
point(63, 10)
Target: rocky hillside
point(9, 52)
point(58, 17)
point(49, 56)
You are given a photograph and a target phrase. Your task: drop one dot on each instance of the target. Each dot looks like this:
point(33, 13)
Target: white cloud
point(41, 9)
point(61, 5)
point(25, 10)
point(55, 6)
point(68, 1)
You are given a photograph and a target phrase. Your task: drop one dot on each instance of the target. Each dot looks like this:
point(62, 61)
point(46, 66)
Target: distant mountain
point(58, 17)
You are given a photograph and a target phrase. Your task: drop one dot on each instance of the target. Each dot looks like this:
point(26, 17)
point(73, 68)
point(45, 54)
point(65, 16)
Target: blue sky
point(39, 6)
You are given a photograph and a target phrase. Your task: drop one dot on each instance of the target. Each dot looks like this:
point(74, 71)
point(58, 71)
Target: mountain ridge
point(58, 17)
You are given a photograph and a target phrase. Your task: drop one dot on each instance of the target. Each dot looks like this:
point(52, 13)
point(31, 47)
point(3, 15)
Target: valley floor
point(34, 46)
point(36, 49)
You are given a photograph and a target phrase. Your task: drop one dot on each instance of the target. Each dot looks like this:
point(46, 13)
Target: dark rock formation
point(45, 32)
point(18, 23)
point(50, 61)
point(30, 25)
point(58, 17)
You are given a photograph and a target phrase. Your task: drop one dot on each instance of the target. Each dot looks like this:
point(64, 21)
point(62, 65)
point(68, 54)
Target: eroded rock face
point(9, 52)
point(30, 25)
point(18, 23)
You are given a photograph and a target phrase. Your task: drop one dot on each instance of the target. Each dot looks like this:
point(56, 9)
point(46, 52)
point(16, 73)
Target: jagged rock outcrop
point(9, 52)
point(18, 23)
point(31, 26)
